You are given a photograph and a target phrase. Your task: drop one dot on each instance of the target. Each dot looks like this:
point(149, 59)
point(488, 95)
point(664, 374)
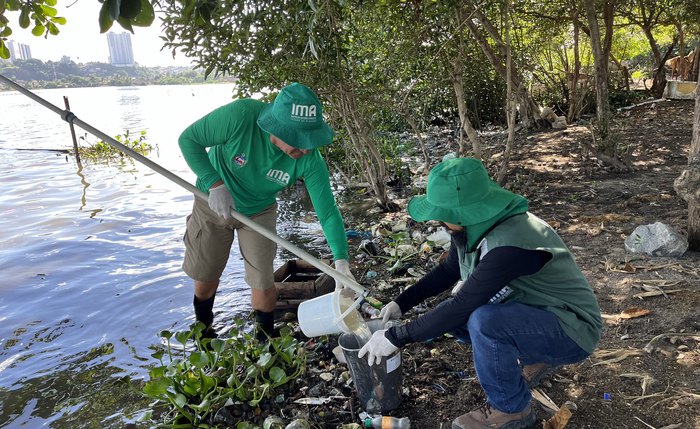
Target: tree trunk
point(575, 102)
point(695, 67)
point(682, 65)
point(362, 146)
point(600, 60)
point(465, 125)
point(529, 110)
point(421, 143)
point(688, 184)
point(657, 88)
point(510, 101)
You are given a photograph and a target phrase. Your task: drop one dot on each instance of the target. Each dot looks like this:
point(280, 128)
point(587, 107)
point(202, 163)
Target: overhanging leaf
point(38, 30)
point(146, 16)
point(105, 19)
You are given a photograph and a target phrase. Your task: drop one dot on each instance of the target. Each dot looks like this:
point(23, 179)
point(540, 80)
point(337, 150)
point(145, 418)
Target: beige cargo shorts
point(208, 241)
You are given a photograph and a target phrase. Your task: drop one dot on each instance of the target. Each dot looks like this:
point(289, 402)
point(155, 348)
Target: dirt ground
point(646, 371)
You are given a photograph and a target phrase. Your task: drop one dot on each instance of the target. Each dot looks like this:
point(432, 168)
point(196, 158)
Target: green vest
point(559, 287)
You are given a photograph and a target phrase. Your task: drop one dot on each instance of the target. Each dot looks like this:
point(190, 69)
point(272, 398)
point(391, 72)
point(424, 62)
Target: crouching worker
point(243, 154)
point(523, 303)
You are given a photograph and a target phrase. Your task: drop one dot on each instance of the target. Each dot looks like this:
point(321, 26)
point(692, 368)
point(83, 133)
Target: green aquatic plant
point(103, 151)
point(201, 375)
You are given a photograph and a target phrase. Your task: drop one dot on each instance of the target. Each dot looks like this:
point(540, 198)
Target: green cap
point(460, 192)
point(296, 118)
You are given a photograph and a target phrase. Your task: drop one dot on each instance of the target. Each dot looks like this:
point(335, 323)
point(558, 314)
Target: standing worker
point(523, 303)
point(255, 150)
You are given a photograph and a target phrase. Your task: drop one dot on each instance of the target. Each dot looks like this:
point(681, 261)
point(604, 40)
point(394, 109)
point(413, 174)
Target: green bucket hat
point(460, 192)
point(296, 118)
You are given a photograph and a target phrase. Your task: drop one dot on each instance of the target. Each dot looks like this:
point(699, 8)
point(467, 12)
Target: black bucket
point(378, 386)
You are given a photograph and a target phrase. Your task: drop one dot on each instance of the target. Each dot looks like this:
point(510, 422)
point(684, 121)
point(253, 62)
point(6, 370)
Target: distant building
point(19, 51)
point(120, 52)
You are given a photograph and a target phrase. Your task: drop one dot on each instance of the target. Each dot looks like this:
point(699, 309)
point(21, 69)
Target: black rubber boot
point(204, 312)
point(264, 325)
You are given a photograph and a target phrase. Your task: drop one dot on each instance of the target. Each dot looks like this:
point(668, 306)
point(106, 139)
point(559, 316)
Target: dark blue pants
point(506, 336)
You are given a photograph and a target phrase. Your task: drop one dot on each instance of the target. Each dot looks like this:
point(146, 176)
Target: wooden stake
point(72, 132)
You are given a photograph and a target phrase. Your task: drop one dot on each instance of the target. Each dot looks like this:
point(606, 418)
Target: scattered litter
point(351, 233)
point(614, 356)
point(441, 238)
point(438, 388)
point(561, 418)
point(543, 399)
point(416, 272)
point(317, 401)
point(629, 313)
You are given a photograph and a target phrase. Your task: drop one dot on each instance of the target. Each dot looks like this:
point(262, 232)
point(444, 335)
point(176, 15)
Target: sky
point(80, 38)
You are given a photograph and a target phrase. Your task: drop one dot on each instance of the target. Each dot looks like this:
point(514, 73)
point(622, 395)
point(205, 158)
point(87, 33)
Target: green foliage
point(622, 98)
point(127, 13)
point(40, 15)
point(194, 383)
point(103, 151)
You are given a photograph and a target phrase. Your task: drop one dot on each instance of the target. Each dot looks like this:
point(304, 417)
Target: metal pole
point(69, 117)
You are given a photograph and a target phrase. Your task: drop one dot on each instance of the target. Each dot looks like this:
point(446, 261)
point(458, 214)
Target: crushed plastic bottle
point(367, 308)
point(387, 422)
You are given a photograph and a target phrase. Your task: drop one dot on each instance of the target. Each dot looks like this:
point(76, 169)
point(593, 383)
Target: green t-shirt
point(559, 287)
point(255, 170)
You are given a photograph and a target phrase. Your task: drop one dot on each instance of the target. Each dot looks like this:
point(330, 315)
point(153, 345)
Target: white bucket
point(324, 314)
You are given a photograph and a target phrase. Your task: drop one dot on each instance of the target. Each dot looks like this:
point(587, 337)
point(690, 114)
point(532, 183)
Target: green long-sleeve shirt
point(255, 170)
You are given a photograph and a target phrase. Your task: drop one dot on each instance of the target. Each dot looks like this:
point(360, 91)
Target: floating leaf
point(156, 387)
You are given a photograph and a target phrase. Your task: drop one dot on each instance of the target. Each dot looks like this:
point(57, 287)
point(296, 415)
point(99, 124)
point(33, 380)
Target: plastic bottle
point(387, 422)
point(371, 311)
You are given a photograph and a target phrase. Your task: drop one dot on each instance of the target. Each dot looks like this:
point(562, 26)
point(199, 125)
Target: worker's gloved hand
point(221, 201)
point(343, 266)
point(377, 347)
point(391, 311)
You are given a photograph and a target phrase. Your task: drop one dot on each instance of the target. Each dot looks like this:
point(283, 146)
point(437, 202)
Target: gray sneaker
point(486, 417)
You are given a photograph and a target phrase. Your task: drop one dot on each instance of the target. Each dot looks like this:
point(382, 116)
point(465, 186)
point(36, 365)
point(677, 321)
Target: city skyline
point(80, 39)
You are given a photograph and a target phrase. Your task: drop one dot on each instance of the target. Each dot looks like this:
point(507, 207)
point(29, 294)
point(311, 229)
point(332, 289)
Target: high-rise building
point(120, 52)
point(19, 51)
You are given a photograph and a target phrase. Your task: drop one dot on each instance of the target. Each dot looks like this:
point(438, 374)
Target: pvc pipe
point(69, 117)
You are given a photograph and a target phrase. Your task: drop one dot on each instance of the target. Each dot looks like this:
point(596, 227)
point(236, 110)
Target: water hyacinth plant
point(193, 383)
point(103, 151)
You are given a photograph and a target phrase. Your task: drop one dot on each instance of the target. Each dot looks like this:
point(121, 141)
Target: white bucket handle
point(354, 305)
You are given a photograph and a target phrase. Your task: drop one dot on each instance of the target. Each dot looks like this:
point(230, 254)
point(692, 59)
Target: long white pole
point(69, 117)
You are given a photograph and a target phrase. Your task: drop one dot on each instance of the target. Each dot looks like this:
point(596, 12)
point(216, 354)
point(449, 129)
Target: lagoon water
point(90, 257)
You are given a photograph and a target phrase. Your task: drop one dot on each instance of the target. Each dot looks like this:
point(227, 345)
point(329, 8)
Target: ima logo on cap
point(304, 112)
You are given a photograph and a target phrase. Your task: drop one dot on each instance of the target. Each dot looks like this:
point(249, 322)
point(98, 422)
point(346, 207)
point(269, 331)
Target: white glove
point(221, 201)
point(391, 311)
point(377, 347)
point(343, 266)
